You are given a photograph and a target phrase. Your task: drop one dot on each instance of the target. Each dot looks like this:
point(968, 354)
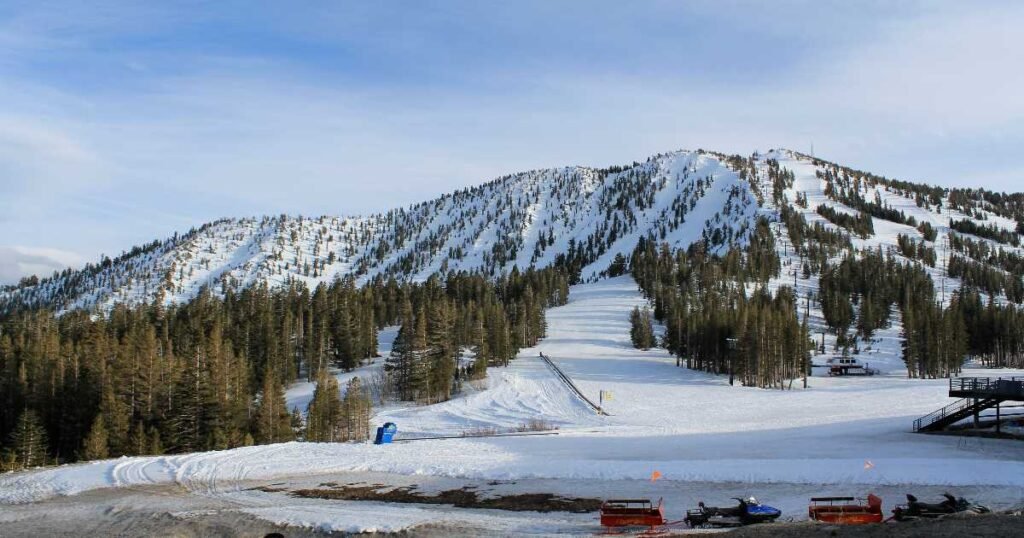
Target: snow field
point(688, 425)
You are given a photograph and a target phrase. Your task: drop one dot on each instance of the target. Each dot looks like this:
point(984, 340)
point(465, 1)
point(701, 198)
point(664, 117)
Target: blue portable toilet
point(385, 433)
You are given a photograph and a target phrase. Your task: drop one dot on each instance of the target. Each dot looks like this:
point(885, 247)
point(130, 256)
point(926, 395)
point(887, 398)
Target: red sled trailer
point(846, 510)
point(632, 513)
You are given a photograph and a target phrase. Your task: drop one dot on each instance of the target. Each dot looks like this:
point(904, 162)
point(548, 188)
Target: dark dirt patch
point(982, 526)
point(460, 498)
point(269, 489)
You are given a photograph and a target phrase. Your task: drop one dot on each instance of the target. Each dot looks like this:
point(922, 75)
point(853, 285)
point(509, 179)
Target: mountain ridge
point(575, 214)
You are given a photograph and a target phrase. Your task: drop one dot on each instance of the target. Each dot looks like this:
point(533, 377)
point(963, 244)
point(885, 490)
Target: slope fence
point(572, 386)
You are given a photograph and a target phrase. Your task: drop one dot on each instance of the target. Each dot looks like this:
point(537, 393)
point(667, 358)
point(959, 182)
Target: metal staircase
point(978, 394)
point(952, 413)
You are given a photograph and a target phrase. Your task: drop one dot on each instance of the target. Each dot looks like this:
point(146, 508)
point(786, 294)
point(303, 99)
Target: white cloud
point(170, 143)
point(17, 262)
point(946, 70)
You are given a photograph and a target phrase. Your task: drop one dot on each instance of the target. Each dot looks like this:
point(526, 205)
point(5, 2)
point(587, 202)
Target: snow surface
point(690, 426)
point(506, 223)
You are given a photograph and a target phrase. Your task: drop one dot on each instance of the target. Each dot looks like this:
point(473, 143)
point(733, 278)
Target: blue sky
point(123, 122)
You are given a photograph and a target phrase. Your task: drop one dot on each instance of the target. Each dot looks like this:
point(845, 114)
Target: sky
point(124, 122)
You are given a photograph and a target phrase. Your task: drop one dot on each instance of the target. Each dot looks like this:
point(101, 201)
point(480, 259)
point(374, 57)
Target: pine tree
point(324, 411)
point(193, 418)
point(344, 337)
point(618, 266)
point(96, 447)
point(404, 364)
point(641, 330)
point(117, 415)
point(482, 349)
point(297, 424)
point(156, 447)
point(419, 358)
point(355, 413)
point(28, 440)
point(441, 352)
point(138, 441)
point(273, 422)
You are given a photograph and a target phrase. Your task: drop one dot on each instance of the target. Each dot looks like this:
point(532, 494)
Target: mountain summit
point(574, 215)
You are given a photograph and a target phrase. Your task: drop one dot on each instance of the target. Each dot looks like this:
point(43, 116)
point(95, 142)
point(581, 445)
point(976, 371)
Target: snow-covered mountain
point(579, 215)
point(525, 219)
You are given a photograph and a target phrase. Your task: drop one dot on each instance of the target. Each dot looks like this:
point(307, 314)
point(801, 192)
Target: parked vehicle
point(749, 511)
point(915, 509)
point(846, 510)
point(632, 513)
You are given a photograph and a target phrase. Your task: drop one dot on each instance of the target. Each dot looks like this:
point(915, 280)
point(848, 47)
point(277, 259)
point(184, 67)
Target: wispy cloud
point(17, 262)
point(129, 121)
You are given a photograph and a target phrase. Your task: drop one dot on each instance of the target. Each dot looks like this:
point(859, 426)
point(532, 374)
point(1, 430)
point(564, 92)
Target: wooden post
point(998, 427)
point(731, 347)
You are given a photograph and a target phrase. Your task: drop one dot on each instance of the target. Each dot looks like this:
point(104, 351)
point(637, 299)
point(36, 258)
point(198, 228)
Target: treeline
point(916, 250)
point(495, 322)
point(62, 287)
point(924, 195)
point(988, 231)
point(781, 179)
point(1007, 205)
point(860, 224)
point(331, 418)
point(864, 289)
point(986, 278)
point(982, 251)
point(713, 321)
point(995, 333)
point(927, 231)
point(211, 373)
point(847, 192)
point(815, 243)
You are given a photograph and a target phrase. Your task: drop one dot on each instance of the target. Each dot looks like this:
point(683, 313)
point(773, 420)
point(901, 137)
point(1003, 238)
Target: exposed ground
point(981, 526)
point(463, 497)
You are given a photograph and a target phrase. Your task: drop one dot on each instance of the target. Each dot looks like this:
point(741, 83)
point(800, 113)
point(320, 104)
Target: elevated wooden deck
point(1006, 388)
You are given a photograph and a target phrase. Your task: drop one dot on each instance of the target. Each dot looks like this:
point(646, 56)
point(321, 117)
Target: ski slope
point(520, 220)
point(688, 425)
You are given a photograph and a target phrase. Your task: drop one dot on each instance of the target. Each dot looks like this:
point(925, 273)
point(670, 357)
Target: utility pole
point(731, 345)
point(945, 266)
point(679, 338)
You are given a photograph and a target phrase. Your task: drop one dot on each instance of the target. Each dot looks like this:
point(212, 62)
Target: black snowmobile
point(915, 509)
point(747, 512)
